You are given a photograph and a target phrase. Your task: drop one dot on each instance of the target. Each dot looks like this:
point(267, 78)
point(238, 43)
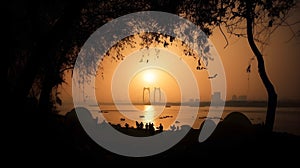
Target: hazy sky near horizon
point(281, 59)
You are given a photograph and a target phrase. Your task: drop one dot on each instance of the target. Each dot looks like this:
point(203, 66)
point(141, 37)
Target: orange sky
point(163, 69)
point(281, 58)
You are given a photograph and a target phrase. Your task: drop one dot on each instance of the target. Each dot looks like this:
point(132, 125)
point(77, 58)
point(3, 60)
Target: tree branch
point(220, 28)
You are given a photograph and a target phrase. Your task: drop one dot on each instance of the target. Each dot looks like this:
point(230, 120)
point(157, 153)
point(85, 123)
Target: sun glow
point(149, 76)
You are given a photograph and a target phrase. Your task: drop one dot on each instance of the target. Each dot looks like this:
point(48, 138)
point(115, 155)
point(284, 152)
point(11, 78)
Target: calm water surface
point(287, 118)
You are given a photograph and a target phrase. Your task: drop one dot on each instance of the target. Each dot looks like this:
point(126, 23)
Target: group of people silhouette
point(148, 127)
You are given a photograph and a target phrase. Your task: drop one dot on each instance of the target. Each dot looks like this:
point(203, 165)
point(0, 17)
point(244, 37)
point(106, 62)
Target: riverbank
point(56, 140)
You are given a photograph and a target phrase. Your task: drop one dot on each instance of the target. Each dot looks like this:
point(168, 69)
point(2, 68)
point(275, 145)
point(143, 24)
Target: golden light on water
point(149, 114)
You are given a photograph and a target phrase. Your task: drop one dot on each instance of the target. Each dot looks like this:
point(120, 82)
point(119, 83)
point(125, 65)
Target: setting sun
point(159, 83)
point(149, 76)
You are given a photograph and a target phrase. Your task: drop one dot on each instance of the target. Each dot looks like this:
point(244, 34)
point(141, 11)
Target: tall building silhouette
point(146, 92)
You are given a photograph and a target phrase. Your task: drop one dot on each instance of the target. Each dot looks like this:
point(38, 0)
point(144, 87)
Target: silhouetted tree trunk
point(272, 96)
point(71, 15)
point(45, 45)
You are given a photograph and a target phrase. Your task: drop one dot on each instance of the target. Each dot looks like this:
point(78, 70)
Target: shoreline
point(287, 120)
point(228, 103)
point(228, 146)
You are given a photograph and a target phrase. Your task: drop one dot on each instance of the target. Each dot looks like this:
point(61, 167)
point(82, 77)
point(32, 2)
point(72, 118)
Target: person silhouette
point(161, 127)
point(126, 125)
point(173, 127)
point(137, 125)
point(141, 125)
point(147, 126)
point(151, 129)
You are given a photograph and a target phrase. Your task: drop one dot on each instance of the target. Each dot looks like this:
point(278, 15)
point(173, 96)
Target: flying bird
point(249, 68)
point(212, 77)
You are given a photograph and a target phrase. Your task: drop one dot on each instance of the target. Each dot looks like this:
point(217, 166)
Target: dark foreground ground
point(54, 140)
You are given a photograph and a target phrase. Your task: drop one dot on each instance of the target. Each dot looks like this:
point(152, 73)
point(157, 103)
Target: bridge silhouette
point(147, 95)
